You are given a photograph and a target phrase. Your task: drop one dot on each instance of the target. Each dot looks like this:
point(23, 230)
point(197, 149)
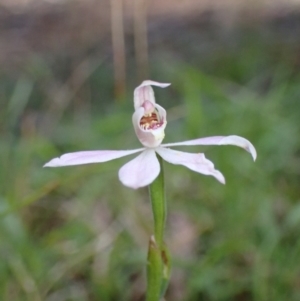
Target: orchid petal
point(86, 157)
point(145, 92)
point(141, 171)
point(150, 137)
point(220, 140)
point(195, 162)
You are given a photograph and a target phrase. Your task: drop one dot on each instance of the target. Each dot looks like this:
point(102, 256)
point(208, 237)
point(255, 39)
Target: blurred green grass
point(76, 234)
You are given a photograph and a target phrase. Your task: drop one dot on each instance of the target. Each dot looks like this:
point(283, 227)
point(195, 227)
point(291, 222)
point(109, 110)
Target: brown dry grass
point(30, 27)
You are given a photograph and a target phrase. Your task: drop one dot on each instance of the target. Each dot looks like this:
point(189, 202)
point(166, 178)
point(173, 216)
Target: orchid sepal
point(220, 140)
point(145, 92)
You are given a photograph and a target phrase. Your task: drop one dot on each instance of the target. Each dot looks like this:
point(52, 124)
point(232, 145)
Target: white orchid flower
point(149, 121)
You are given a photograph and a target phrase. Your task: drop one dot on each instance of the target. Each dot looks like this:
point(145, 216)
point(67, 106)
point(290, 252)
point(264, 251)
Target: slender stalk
point(140, 38)
point(158, 266)
point(154, 271)
point(159, 208)
point(118, 44)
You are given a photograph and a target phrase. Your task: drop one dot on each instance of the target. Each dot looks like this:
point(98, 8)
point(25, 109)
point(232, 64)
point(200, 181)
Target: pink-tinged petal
point(195, 162)
point(241, 142)
point(150, 137)
point(220, 140)
point(87, 157)
point(145, 92)
point(141, 171)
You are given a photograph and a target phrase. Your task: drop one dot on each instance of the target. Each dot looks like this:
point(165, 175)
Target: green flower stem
point(159, 265)
point(159, 208)
point(154, 271)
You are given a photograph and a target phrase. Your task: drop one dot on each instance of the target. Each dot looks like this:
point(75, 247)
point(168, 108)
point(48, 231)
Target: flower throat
point(150, 121)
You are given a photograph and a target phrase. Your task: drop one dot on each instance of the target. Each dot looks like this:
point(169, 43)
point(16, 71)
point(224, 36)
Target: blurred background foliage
point(76, 233)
